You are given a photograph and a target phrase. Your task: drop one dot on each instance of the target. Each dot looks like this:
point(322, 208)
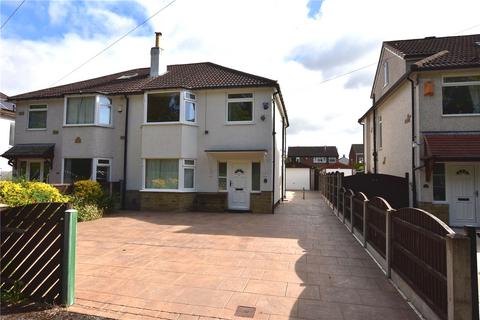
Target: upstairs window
point(190, 107)
point(319, 160)
point(461, 95)
point(332, 159)
point(240, 107)
point(385, 73)
point(88, 110)
point(37, 117)
point(163, 107)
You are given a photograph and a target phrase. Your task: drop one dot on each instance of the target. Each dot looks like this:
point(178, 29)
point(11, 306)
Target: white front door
point(238, 186)
point(463, 197)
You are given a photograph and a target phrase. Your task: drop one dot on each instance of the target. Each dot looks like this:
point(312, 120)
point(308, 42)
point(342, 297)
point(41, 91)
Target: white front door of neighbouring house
point(238, 186)
point(463, 197)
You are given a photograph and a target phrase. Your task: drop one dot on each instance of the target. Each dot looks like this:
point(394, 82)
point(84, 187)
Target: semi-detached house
point(194, 136)
point(425, 121)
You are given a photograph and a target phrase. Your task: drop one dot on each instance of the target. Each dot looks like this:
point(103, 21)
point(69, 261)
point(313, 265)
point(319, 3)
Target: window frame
point(228, 100)
point(96, 113)
point(183, 99)
point(45, 109)
point(96, 164)
point(334, 160)
point(458, 84)
point(379, 131)
point(445, 201)
point(386, 73)
point(223, 177)
point(320, 160)
point(27, 169)
point(181, 175)
point(259, 177)
point(11, 134)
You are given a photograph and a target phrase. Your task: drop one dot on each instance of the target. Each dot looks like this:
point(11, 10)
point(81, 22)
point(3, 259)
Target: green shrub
point(87, 212)
point(88, 191)
point(25, 192)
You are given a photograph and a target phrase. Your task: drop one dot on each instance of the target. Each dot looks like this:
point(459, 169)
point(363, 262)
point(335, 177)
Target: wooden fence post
point(365, 223)
point(69, 253)
point(459, 280)
point(388, 239)
point(339, 185)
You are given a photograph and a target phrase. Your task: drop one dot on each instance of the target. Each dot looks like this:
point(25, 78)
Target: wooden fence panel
point(419, 255)
point(376, 216)
point(391, 188)
point(32, 250)
point(348, 210)
point(357, 211)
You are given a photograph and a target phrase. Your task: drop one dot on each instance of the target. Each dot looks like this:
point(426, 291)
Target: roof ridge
point(433, 38)
point(79, 82)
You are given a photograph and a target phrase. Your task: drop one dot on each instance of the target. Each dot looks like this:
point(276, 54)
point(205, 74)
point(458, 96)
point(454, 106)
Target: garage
point(298, 178)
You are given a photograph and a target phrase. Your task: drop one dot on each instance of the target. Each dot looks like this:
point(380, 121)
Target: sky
point(310, 47)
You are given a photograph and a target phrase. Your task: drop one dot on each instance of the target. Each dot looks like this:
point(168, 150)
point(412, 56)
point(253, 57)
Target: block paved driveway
point(299, 263)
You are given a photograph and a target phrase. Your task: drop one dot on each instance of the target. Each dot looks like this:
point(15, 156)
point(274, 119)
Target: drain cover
point(246, 312)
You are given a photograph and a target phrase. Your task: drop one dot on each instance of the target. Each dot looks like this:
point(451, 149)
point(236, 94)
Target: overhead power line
point(347, 73)
point(114, 42)
point(470, 28)
point(12, 14)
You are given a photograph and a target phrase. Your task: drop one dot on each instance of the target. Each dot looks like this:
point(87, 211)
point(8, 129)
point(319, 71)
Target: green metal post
point(69, 247)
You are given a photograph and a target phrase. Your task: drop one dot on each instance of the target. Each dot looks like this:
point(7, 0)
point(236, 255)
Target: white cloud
point(257, 37)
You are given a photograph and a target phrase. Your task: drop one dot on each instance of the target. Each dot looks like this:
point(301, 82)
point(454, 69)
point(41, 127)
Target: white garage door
point(298, 178)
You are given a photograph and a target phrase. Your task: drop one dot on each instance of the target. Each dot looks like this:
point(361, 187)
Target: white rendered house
point(7, 134)
point(193, 136)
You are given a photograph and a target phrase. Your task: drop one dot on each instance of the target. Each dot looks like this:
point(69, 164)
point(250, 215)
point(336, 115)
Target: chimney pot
point(155, 67)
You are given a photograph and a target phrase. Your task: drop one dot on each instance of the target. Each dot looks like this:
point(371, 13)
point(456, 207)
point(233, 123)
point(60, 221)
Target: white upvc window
point(97, 169)
point(320, 160)
point(37, 117)
point(33, 169)
point(168, 175)
point(461, 95)
point(222, 176)
point(88, 110)
point(166, 107)
point(386, 74)
point(240, 108)
point(332, 159)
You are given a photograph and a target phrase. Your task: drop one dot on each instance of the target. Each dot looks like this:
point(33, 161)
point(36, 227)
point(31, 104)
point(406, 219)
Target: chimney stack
point(155, 57)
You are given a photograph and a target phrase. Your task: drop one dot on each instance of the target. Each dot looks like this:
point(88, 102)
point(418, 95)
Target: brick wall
point(261, 202)
point(438, 210)
point(132, 200)
point(167, 201)
point(211, 202)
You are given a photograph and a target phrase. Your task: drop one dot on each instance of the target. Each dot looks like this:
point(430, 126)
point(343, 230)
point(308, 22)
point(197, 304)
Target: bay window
point(98, 169)
point(461, 95)
point(240, 107)
point(169, 174)
point(166, 107)
point(88, 110)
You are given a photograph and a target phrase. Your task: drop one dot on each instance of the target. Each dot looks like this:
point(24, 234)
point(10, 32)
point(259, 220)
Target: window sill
point(461, 115)
point(36, 129)
point(147, 124)
point(168, 190)
point(239, 123)
point(440, 202)
point(88, 125)
point(255, 192)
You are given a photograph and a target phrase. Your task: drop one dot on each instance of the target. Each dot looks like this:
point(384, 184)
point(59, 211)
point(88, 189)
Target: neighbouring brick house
point(356, 154)
point(190, 136)
point(312, 156)
point(425, 121)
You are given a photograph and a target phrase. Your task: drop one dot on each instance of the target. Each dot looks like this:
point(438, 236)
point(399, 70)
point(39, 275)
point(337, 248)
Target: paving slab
point(300, 263)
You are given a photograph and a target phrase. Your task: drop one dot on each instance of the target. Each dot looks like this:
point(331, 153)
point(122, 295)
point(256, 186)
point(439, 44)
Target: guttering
point(274, 110)
point(125, 145)
point(414, 180)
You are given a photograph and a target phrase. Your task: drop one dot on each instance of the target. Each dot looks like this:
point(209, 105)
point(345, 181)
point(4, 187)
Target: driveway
point(298, 263)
